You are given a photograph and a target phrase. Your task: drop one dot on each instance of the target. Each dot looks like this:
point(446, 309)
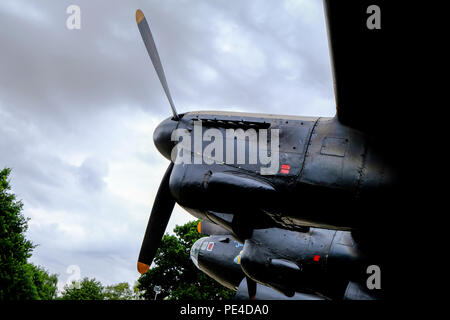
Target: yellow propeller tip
point(199, 227)
point(142, 267)
point(139, 16)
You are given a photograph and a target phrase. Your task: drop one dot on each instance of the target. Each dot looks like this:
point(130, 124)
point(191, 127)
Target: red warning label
point(285, 168)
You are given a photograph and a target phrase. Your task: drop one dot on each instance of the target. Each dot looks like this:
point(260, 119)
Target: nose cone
point(214, 256)
point(162, 137)
point(195, 251)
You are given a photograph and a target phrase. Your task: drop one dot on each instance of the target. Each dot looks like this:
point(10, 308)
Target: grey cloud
point(91, 173)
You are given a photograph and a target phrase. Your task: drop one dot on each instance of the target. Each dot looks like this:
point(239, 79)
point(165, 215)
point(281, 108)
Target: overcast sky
point(78, 107)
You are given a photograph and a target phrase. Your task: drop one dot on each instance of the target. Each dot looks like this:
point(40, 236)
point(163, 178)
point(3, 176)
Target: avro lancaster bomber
point(299, 193)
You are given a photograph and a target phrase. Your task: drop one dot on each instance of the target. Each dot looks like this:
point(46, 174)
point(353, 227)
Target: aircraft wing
point(364, 64)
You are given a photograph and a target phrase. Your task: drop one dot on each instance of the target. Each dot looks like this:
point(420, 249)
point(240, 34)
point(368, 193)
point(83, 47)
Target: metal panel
point(333, 146)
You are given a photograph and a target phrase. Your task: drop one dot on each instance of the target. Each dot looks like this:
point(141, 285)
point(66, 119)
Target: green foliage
point(120, 291)
point(91, 289)
point(45, 284)
point(176, 274)
point(87, 289)
point(16, 277)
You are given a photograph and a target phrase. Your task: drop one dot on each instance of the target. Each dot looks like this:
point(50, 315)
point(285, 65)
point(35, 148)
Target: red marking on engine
point(285, 168)
point(316, 258)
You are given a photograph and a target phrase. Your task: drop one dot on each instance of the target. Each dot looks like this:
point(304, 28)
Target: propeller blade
point(146, 34)
point(251, 287)
point(159, 217)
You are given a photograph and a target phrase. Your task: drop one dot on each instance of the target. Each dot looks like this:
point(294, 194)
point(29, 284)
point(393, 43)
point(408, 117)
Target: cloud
point(78, 108)
point(91, 174)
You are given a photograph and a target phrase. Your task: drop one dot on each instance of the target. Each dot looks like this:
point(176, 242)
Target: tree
point(16, 277)
point(45, 283)
point(87, 289)
point(176, 274)
point(120, 291)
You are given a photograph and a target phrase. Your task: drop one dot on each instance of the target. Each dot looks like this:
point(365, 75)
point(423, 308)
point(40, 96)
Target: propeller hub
point(162, 137)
